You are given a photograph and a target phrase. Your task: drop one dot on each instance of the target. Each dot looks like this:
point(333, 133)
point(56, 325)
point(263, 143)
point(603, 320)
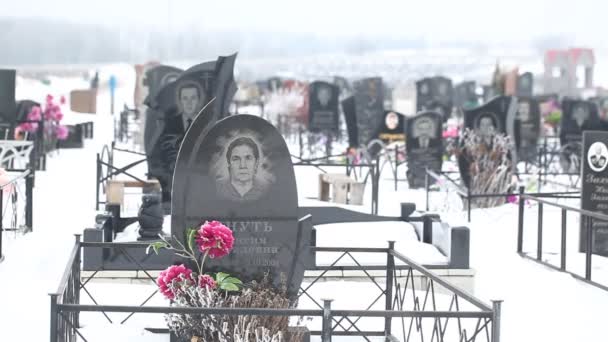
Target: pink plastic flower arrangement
point(172, 278)
point(210, 239)
point(214, 239)
point(52, 116)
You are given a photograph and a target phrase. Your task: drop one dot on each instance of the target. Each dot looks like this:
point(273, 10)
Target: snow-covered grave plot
point(540, 304)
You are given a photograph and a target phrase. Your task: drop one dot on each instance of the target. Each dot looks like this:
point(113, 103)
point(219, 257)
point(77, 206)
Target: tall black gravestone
point(323, 107)
point(240, 173)
point(494, 117)
point(527, 128)
point(424, 146)
point(465, 95)
point(525, 85)
point(393, 128)
point(8, 106)
point(209, 86)
point(594, 195)
point(155, 79)
point(577, 116)
point(435, 94)
point(350, 117)
point(369, 108)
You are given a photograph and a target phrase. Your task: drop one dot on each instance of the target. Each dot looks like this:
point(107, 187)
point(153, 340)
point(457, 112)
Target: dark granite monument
point(465, 95)
point(209, 86)
point(424, 146)
point(527, 128)
point(393, 128)
point(577, 116)
point(8, 106)
point(594, 195)
point(494, 117)
point(525, 85)
point(435, 94)
point(323, 115)
point(240, 173)
point(369, 108)
point(155, 79)
point(350, 117)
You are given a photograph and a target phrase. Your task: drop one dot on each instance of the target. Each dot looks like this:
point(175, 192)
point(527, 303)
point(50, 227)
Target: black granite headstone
point(24, 107)
point(350, 117)
point(369, 108)
point(75, 137)
point(240, 173)
point(184, 99)
point(577, 116)
point(8, 106)
point(594, 193)
point(465, 95)
point(525, 85)
point(323, 115)
point(424, 146)
point(494, 117)
point(435, 94)
point(527, 128)
point(393, 128)
point(155, 79)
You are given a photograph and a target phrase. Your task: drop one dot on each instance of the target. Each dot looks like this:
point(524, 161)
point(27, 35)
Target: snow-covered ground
point(540, 304)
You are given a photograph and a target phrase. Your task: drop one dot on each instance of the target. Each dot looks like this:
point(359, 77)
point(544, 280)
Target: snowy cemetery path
point(540, 304)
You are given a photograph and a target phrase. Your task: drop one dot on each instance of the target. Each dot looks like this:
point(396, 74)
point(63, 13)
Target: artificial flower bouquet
point(185, 287)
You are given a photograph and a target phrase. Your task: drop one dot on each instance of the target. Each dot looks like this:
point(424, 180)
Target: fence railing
point(438, 311)
point(468, 197)
point(585, 244)
point(17, 205)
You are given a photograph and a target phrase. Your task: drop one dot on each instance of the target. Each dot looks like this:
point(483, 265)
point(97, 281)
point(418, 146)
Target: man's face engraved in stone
point(580, 115)
point(243, 162)
point(424, 89)
point(486, 126)
point(443, 88)
point(324, 95)
point(391, 121)
point(189, 98)
point(424, 131)
point(524, 111)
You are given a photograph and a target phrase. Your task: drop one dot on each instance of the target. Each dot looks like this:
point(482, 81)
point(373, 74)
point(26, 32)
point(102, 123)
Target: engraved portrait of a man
point(580, 114)
point(424, 131)
point(190, 98)
point(324, 95)
point(524, 112)
point(243, 160)
point(391, 121)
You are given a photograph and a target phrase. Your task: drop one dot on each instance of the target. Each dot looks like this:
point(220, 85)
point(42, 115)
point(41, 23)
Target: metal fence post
point(520, 221)
point(539, 241)
point(563, 244)
point(97, 183)
point(496, 306)
point(426, 186)
point(327, 318)
point(1, 226)
point(396, 166)
point(390, 269)
point(29, 197)
point(469, 204)
point(589, 249)
point(54, 318)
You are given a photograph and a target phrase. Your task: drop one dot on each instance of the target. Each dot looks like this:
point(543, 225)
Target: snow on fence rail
point(402, 312)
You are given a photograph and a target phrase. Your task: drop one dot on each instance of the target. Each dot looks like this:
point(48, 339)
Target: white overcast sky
point(436, 19)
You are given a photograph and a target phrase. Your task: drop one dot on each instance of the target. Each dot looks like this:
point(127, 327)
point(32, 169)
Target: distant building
point(569, 72)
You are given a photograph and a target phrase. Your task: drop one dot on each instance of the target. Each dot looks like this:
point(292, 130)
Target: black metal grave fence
point(438, 311)
point(16, 205)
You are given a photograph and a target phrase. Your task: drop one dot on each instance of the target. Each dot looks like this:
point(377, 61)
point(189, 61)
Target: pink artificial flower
point(513, 199)
point(214, 238)
point(62, 100)
point(170, 279)
point(35, 114)
point(207, 281)
point(61, 132)
point(5, 179)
